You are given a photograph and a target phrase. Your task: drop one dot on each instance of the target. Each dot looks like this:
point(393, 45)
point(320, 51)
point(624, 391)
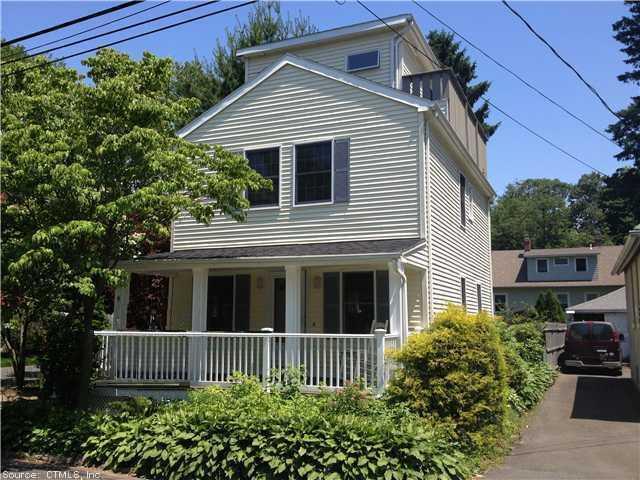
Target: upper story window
point(266, 162)
point(313, 172)
point(463, 202)
point(581, 264)
point(362, 61)
point(561, 261)
point(542, 265)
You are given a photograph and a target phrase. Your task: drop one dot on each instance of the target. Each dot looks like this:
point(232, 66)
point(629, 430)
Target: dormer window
point(581, 264)
point(561, 261)
point(542, 265)
point(363, 61)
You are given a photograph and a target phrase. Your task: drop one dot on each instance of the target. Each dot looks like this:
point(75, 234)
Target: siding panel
point(296, 106)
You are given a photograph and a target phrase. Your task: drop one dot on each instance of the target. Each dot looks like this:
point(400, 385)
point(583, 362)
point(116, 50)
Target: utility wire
point(517, 76)
point(40, 65)
point(441, 65)
point(555, 52)
point(90, 29)
point(70, 22)
point(110, 32)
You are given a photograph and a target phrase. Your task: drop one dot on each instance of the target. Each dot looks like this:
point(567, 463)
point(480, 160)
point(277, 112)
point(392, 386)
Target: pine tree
point(549, 308)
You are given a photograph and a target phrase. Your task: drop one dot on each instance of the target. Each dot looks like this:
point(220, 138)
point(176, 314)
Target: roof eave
point(630, 249)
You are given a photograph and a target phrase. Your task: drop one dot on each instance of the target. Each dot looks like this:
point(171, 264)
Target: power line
point(40, 65)
point(70, 22)
point(441, 65)
point(517, 76)
point(110, 32)
point(555, 52)
point(92, 28)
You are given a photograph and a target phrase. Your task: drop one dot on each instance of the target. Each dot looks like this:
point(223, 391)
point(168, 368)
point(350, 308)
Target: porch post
point(198, 321)
point(398, 300)
point(293, 312)
point(121, 305)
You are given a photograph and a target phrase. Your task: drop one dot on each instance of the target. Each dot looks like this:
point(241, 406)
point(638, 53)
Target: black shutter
point(242, 297)
point(382, 297)
point(341, 170)
point(331, 302)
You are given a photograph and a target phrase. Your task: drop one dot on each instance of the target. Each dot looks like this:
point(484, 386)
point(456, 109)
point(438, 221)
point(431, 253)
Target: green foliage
point(549, 308)
point(586, 209)
point(621, 201)
point(455, 371)
point(448, 51)
point(244, 432)
point(529, 341)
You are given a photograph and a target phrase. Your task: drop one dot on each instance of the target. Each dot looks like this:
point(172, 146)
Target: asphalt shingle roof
point(394, 246)
point(615, 301)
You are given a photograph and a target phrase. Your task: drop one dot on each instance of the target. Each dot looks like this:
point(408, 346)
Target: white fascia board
point(471, 169)
point(308, 65)
point(631, 248)
point(327, 35)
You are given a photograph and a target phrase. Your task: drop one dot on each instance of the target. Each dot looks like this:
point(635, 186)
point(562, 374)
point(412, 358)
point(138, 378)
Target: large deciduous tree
point(586, 208)
point(92, 170)
point(211, 80)
point(451, 54)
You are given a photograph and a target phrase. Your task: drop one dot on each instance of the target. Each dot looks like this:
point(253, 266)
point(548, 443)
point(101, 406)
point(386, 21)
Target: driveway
point(587, 427)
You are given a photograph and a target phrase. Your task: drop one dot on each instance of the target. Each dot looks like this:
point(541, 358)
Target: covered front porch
point(330, 316)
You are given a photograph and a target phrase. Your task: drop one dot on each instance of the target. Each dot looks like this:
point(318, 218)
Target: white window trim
point(563, 293)
point(264, 147)
point(586, 264)
point(546, 260)
point(506, 301)
point(369, 50)
point(294, 204)
point(561, 264)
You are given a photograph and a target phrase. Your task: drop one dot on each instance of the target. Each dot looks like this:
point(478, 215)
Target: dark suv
point(592, 344)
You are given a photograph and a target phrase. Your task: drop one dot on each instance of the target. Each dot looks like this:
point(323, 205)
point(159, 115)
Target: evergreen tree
point(449, 53)
point(549, 309)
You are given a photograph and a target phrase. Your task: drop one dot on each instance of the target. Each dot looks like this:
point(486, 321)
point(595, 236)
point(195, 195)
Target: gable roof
point(510, 268)
point(419, 103)
point(328, 35)
point(562, 252)
point(615, 301)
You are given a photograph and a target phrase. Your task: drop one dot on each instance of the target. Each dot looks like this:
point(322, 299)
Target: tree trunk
point(20, 364)
point(89, 304)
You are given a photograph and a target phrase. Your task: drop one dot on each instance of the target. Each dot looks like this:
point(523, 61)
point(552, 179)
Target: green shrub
point(549, 308)
point(245, 432)
point(456, 371)
point(529, 341)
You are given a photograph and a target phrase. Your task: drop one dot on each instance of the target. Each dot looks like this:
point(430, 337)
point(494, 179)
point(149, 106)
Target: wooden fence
point(554, 334)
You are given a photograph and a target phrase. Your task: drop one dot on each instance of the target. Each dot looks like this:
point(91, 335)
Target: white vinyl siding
point(457, 251)
point(294, 106)
point(334, 55)
point(414, 299)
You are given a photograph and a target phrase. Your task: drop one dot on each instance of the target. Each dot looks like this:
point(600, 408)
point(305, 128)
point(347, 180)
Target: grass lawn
point(5, 361)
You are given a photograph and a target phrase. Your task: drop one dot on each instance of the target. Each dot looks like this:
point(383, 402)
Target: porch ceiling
point(279, 254)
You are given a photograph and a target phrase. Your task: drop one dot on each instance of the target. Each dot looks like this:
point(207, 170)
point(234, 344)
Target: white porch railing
point(200, 358)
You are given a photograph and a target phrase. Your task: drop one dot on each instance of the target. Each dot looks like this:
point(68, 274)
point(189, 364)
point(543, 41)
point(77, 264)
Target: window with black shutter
point(267, 163)
point(313, 172)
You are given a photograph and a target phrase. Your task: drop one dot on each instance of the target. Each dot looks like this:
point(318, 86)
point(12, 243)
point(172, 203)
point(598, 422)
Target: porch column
point(398, 300)
point(293, 313)
point(197, 345)
point(121, 305)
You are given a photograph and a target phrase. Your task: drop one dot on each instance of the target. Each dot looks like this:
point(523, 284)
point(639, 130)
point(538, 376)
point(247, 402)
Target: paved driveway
point(587, 427)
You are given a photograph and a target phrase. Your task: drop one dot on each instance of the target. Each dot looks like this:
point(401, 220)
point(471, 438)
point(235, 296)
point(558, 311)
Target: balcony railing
point(442, 86)
point(198, 358)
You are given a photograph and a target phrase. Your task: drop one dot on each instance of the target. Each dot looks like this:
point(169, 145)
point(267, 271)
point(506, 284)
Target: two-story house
point(378, 219)
point(575, 275)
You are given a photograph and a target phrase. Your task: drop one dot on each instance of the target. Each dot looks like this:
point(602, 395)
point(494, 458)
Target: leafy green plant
point(455, 371)
point(549, 308)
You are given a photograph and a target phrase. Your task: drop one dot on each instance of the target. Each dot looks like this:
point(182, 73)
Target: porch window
point(228, 303)
point(313, 167)
point(355, 302)
point(267, 163)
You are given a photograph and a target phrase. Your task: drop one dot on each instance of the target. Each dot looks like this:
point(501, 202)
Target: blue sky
point(581, 31)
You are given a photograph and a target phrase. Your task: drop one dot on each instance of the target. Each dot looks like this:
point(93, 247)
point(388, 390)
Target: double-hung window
point(581, 264)
point(542, 265)
point(266, 162)
point(313, 171)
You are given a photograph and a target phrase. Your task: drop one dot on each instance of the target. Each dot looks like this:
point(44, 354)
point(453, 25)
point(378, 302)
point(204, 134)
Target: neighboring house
point(379, 216)
point(628, 262)
point(610, 307)
point(575, 275)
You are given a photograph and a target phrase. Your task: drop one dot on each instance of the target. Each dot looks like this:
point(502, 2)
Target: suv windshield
point(601, 331)
point(579, 332)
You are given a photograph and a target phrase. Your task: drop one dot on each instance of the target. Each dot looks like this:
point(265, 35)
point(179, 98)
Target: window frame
point(462, 200)
point(557, 294)
point(346, 60)
point(506, 301)
point(480, 306)
point(463, 292)
point(252, 148)
point(586, 264)
point(294, 181)
point(546, 260)
point(555, 261)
